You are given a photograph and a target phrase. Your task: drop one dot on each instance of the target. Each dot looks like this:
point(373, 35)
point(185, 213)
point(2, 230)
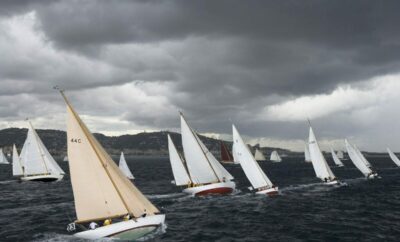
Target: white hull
point(374, 176)
point(214, 188)
point(332, 182)
point(125, 230)
point(270, 191)
point(44, 178)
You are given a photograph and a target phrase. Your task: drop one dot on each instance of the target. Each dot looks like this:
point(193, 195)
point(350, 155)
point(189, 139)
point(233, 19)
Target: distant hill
point(154, 143)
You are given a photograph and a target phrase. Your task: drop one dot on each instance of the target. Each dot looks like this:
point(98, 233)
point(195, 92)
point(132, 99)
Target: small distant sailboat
point(275, 156)
point(65, 158)
point(394, 158)
point(36, 162)
point(321, 168)
point(3, 158)
point(124, 167)
point(340, 154)
point(259, 156)
point(307, 157)
point(226, 156)
point(253, 171)
point(207, 175)
point(102, 192)
point(359, 161)
point(336, 159)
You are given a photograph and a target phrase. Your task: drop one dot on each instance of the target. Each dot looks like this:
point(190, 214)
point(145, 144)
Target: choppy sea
point(304, 211)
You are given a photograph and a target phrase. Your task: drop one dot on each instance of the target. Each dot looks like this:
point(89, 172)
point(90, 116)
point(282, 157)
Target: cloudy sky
point(129, 66)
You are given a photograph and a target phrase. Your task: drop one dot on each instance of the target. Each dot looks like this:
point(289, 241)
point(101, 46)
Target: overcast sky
point(129, 66)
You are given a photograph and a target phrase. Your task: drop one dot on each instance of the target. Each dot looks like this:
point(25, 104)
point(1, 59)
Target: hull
point(214, 188)
point(374, 176)
point(125, 230)
point(332, 182)
point(273, 191)
point(43, 178)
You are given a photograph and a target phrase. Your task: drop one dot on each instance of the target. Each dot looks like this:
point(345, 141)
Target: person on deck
point(93, 225)
point(107, 222)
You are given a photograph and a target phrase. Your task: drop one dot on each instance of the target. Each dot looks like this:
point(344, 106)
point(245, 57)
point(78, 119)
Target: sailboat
point(321, 168)
point(336, 159)
point(207, 175)
point(65, 158)
point(359, 161)
point(102, 192)
point(17, 168)
point(124, 167)
point(226, 156)
point(340, 154)
point(307, 157)
point(36, 162)
point(394, 158)
point(275, 156)
point(3, 158)
point(259, 156)
point(253, 171)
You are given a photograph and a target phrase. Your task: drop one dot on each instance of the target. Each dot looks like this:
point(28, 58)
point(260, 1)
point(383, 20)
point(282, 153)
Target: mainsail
point(321, 168)
point(17, 167)
point(3, 158)
point(275, 156)
point(336, 159)
point(203, 167)
point(253, 171)
point(259, 156)
point(100, 188)
point(394, 158)
point(225, 154)
point(179, 168)
point(307, 156)
point(124, 167)
point(35, 158)
point(357, 158)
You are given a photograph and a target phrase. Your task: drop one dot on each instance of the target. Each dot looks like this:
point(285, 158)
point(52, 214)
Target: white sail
point(35, 158)
point(362, 156)
point(179, 169)
point(235, 155)
point(307, 156)
point(124, 167)
point(3, 158)
point(357, 158)
point(65, 158)
point(100, 188)
point(340, 154)
point(321, 168)
point(394, 158)
point(248, 163)
point(203, 167)
point(275, 156)
point(16, 163)
point(336, 159)
point(259, 156)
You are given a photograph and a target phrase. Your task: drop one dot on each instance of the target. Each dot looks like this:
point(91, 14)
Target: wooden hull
point(42, 178)
point(125, 230)
point(210, 189)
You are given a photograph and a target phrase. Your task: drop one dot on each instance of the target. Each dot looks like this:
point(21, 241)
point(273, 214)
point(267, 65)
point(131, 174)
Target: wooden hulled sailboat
point(321, 168)
point(336, 159)
point(204, 174)
point(259, 156)
point(275, 156)
point(102, 192)
point(124, 167)
point(307, 157)
point(226, 156)
point(35, 161)
point(253, 171)
point(359, 161)
point(3, 158)
point(394, 158)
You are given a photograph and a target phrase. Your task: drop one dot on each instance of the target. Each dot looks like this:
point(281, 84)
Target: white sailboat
point(307, 157)
point(253, 171)
point(321, 168)
point(207, 175)
point(359, 161)
point(102, 192)
point(394, 158)
point(17, 168)
point(36, 162)
point(275, 156)
point(340, 154)
point(259, 156)
point(3, 158)
point(336, 159)
point(124, 167)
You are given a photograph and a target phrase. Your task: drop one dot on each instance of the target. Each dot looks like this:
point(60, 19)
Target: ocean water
point(304, 211)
